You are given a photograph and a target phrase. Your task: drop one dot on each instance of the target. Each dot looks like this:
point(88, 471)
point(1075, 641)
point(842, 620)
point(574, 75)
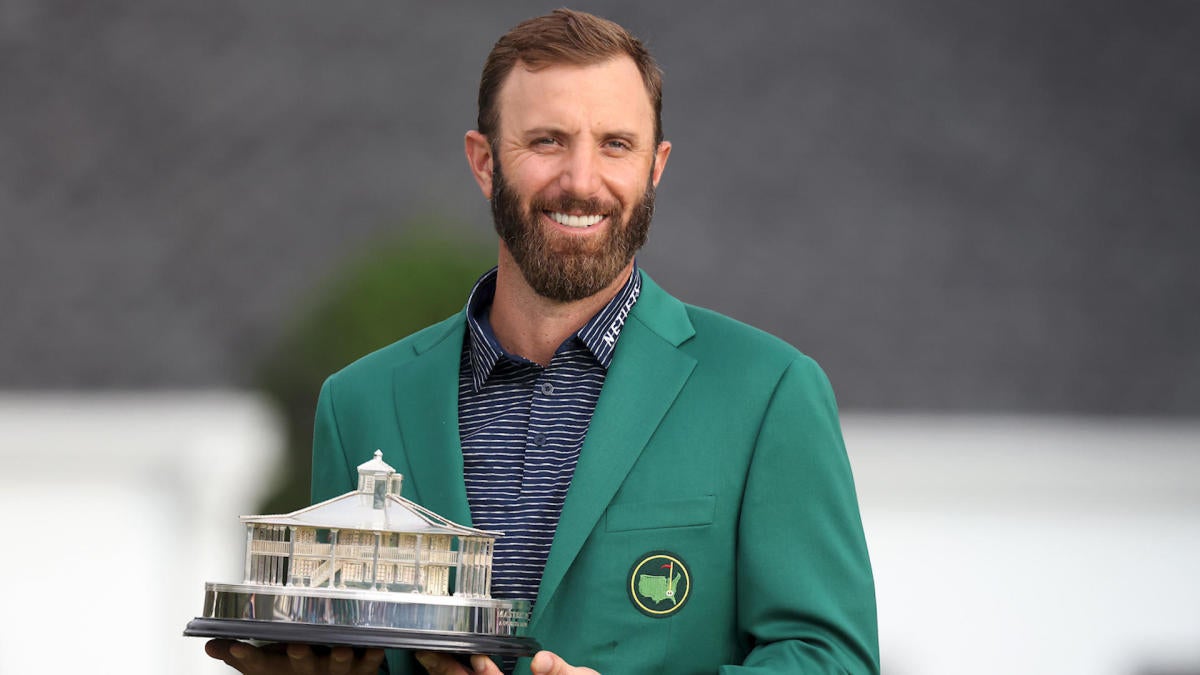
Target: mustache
point(567, 204)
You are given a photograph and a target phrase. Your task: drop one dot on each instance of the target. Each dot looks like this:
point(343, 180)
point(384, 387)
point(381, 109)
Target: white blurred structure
point(1001, 545)
point(1027, 545)
point(117, 509)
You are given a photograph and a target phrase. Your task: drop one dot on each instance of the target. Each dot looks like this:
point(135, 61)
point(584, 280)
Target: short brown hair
point(564, 36)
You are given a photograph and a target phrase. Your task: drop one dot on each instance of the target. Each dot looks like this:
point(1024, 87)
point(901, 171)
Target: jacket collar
point(428, 419)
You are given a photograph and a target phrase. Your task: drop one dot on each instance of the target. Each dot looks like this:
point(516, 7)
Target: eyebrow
point(543, 131)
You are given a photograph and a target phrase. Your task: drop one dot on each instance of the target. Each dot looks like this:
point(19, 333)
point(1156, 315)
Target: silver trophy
point(369, 568)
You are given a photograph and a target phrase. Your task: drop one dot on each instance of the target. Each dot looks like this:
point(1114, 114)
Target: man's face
point(573, 171)
point(567, 268)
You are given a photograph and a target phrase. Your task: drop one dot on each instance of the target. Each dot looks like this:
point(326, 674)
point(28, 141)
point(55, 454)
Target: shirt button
point(539, 439)
point(547, 388)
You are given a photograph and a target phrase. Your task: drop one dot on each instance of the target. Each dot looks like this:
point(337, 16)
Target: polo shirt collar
point(599, 334)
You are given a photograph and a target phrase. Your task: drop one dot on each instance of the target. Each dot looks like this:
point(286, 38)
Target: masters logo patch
point(659, 583)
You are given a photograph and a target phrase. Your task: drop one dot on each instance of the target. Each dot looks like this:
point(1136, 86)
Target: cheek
point(532, 173)
point(627, 183)
point(630, 194)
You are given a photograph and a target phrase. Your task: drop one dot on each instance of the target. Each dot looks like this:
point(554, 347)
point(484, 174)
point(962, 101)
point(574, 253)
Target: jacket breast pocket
point(692, 512)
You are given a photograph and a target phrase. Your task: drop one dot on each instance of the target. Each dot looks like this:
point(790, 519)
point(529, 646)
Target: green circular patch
point(659, 584)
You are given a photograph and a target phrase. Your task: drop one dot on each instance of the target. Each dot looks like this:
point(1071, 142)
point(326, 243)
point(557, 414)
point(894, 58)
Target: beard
point(565, 268)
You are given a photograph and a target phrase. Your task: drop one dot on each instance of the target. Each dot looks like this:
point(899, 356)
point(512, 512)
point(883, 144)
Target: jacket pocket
point(623, 517)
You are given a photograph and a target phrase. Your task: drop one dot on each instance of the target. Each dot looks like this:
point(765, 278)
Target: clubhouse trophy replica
point(369, 568)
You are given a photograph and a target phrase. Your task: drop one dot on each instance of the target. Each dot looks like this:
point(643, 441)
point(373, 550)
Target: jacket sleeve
point(331, 474)
point(806, 597)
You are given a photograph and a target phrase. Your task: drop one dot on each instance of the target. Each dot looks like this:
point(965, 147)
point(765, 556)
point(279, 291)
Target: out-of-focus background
point(980, 218)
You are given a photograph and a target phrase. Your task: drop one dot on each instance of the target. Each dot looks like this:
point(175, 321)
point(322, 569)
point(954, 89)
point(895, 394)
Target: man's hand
point(544, 663)
point(549, 663)
point(278, 659)
point(437, 663)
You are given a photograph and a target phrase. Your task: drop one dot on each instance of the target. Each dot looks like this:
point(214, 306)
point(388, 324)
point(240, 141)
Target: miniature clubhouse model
point(369, 568)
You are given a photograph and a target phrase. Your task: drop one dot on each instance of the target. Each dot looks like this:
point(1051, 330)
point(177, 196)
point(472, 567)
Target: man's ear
point(479, 158)
point(661, 153)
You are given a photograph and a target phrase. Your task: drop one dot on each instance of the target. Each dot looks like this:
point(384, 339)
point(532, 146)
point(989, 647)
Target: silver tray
point(323, 616)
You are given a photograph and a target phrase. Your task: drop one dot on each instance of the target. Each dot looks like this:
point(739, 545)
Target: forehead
point(596, 96)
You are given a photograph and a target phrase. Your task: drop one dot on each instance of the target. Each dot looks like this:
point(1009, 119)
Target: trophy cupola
point(378, 479)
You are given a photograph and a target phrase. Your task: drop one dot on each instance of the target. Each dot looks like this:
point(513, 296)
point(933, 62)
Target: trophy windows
point(384, 543)
point(268, 551)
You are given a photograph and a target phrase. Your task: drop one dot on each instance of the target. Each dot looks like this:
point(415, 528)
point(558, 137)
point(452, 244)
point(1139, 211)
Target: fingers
point(448, 664)
point(343, 661)
point(295, 659)
point(302, 660)
point(483, 665)
point(240, 656)
point(440, 664)
point(549, 663)
point(369, 662)
point(247, 658)
point(219, 649)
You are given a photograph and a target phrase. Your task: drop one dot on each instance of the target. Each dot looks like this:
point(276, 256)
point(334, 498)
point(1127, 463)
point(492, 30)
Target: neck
point(533, 326)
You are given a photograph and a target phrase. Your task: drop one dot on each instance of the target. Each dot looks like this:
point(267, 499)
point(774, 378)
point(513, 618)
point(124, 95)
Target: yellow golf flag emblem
point(659, 583)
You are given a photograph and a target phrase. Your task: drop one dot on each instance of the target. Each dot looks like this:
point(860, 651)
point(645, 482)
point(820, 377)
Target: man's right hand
point(278, 659)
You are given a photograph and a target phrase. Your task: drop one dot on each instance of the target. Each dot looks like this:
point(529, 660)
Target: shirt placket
point(536, 482)
point(524, 376)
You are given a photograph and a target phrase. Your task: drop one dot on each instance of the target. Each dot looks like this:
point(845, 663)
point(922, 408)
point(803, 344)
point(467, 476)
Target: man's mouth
point(574, 221)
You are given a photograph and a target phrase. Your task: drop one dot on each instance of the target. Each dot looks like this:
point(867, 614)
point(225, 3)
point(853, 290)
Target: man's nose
point(581, 175)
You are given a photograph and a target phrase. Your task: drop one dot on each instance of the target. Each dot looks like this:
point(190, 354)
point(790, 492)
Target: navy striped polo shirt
point(522, 426)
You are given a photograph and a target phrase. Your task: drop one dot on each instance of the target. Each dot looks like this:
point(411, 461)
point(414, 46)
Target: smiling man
point(570, 168)
point(672, 484)
point(584, 194)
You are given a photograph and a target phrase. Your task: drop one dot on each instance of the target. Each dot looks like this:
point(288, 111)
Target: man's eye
point(545, 141)
point(618, 145)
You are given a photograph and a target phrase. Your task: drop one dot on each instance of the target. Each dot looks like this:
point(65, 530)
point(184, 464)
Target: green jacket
point(712, 441)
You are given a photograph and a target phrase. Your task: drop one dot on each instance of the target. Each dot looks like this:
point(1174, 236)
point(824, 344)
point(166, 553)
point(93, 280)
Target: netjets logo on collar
point(659, 583)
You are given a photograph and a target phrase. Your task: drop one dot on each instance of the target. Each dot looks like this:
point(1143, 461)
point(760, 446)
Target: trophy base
point(324, 616)
point(359, 636)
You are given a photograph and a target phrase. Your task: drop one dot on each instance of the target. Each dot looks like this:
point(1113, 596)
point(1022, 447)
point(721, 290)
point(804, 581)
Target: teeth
point(576, 221)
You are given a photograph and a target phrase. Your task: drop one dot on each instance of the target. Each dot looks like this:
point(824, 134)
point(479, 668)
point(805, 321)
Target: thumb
point(548, 663)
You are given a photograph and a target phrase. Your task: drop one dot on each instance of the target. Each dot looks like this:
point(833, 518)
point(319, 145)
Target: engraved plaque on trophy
point(369, 568)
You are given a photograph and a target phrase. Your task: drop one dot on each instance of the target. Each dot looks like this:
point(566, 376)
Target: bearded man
point(672, 484)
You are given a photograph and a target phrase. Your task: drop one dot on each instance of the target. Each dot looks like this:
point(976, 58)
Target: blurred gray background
point(951, 205)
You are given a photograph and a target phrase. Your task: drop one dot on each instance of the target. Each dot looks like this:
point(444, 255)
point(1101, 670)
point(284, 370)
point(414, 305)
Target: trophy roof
point(376, 465)
point(354, 511)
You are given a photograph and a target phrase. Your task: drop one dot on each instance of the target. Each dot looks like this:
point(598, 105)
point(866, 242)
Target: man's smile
point(574, 221)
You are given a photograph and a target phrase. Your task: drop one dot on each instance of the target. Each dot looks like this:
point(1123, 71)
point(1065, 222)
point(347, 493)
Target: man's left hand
point(544, 663)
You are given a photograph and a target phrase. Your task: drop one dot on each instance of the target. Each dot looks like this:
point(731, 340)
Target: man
point(673, 486)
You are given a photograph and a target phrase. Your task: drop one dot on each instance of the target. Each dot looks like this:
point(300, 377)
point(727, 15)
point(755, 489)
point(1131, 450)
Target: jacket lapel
point(428, 418)
point(647, 374)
